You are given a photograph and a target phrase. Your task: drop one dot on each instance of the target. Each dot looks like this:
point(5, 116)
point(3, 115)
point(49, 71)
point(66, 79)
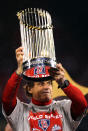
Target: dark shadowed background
point(70, 20)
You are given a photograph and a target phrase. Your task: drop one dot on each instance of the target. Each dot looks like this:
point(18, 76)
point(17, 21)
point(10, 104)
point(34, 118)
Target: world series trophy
point(37, 40)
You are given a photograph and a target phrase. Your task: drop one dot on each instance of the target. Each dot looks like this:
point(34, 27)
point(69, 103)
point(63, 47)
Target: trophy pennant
point(37, 40)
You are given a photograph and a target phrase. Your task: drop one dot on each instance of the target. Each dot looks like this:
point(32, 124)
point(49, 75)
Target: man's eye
point(49, 82)
point(38, 83)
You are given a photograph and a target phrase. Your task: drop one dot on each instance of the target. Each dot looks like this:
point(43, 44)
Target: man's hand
point(19, 58)
point(58, 74)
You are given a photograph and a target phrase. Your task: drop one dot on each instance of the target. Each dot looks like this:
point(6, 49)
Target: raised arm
point(79, 103)
point(11, 88)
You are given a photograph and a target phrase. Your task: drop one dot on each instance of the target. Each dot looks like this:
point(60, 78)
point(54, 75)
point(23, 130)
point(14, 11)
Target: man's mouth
point(45, 92)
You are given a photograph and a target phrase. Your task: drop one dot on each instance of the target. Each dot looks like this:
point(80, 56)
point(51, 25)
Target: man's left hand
point(58, 74)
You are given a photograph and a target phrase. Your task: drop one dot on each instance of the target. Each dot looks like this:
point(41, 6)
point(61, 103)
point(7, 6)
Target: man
point(43, 113)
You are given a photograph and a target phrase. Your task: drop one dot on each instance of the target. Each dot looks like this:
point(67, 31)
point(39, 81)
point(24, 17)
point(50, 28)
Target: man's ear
point(30, 90)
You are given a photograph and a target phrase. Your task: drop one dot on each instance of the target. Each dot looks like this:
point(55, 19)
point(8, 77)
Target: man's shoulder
point(24, 104)
point(63, 102)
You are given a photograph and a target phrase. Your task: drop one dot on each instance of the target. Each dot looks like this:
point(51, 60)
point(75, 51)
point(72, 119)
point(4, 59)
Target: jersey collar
point(41, 103)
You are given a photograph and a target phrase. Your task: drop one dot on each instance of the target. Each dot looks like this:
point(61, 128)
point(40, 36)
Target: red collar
point(41, 103)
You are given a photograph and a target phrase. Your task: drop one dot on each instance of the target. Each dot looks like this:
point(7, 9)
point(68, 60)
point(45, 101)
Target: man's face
point(42, 91)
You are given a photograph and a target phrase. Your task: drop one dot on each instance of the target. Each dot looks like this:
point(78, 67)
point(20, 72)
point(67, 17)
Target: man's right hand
point(19, 57)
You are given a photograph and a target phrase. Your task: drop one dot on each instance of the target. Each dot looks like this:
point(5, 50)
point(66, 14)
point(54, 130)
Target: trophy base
point(37, 68)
